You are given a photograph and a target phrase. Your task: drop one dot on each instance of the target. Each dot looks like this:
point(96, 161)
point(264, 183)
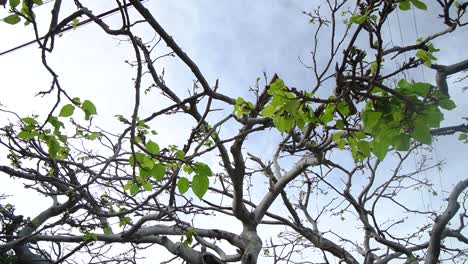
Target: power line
point(417, 36)
point(68, 28)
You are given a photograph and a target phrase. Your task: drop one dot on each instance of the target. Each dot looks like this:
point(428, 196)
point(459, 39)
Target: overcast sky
point(233, 41)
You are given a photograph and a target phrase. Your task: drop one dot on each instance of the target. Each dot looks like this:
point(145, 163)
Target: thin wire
point(401, 32)
point(430, 206)
point(417, 36)
point(433, 145)
point(392, 43)
point(402, 44)
point(430, 195)
point(390, 31)
point(426, 207)
point(419, 180)
point(70, 27)
point(441, 186)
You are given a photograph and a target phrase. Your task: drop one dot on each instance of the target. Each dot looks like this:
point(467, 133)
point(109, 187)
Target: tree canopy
point(338, 185)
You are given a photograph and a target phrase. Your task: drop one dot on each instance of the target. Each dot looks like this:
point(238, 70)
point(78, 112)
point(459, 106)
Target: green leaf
point(107, 230)
point(54, 146)
point(359, 135)
point(431, 48)
point(374, 66)
point(38, 2)
point(431, 117)
point(447, 104)
point(26, 134)
point(359, 19)
point(418, 4)
point(134, 189)
point(187, 168)
point(183, 185)
point(145, 173)
point(370, 119)
point(404, 84)
point(147, 186)
point(75, 23)
point(90, 237)
point(276, 86)
point(401, 142)
point(29, 121)
point(425, 56)
point(158, 171)
point(124, 221)
point(328, 114)
point(202, 169)
point(152, 147)
point(127, 185)
point(364, 148)
point(291, 106)
point(92, 135)
point(189, 236)
point(238, 106)
point(420, 88)
point(76, 101)
point(343, 108)
point(421, 133)
point(336, 137)
point(242, 107)
point(14, 3)
point(56, 124)
point(340, 124)
point(405, 5)
point(268, 111)
point(89, 109)
point(283, 123)
point(147, 163)
point(380, 149)
point(200, 185)
point(12, 19)
point(180, 154)
point(341, 143)
point(67, 110)
point(463, 136)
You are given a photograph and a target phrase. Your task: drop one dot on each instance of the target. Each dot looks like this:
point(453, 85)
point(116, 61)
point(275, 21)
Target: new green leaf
point(134, 189)
point(371, 118)
point(405, 5)
point(89, 109)
point(422, 134)
point(183, 185)
point(359, 19)
point(75, 23)
point(107, 230)
point(158, 171)
point(12, 19)
point(200, 185)
point(152, 147)
point(201, 168)
point(447, 104)
point(29, 121)
point(14, 3)
point(147, 186)
point(401, 142)
point(380, 149)
point(418, 4)
point(67, 110)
